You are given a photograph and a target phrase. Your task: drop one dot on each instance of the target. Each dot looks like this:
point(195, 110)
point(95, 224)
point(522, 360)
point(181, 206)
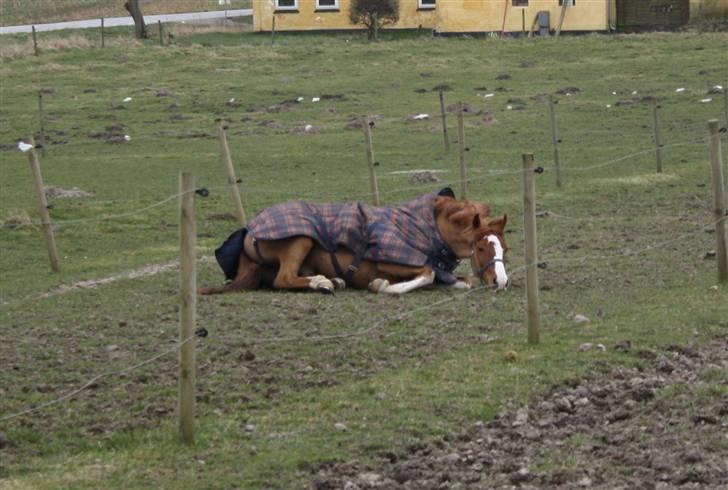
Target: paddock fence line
point(533, 264)
point(371, 330)
point(483, 175)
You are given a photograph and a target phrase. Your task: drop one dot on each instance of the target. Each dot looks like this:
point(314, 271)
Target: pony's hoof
point(321, 283)
point(339, 283)
point(378, 285)
point(326, 290)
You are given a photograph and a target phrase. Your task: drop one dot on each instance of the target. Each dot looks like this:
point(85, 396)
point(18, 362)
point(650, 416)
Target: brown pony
point(301, 262)
point(488, 259)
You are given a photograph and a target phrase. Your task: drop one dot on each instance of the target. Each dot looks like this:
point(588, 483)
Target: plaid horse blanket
point(404, 234)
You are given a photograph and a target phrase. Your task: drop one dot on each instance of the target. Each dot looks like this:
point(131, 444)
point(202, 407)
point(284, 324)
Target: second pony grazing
point(298, 245)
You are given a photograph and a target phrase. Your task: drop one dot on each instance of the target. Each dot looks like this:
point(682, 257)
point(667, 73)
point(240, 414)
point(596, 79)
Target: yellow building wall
point(708, 8)
point(497, 15)
point(308, 19)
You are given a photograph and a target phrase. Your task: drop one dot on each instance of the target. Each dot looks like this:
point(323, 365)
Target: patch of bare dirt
point(660, 427)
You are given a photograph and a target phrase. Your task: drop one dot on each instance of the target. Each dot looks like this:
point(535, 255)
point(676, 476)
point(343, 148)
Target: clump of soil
point(196, 135)
point(653, 427)
point(467, 109)
point(271, 125)
point(307, 129)
point(568, 91)
point(58, 192)
point(355, 124)
point(111, 134)
point(424, 177)
point(488, 119)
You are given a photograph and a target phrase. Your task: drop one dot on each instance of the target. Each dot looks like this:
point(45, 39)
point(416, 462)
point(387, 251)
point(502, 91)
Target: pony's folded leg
point(339, 283)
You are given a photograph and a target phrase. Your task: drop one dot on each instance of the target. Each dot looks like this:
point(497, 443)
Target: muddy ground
point(658, 426)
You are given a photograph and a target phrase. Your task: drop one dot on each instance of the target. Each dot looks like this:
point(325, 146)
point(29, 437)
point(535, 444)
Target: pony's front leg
point(290, 261)
point(425, 277)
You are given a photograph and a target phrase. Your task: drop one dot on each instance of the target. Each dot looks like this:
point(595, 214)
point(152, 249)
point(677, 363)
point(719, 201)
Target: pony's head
point(488, 259)
point(459, 223)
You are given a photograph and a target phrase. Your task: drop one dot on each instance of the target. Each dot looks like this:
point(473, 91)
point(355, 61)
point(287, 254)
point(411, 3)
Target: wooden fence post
point(103, 34)
point(35, 42)
point(43, 206)
point(161, 33)
point(370, 158)
point(188, 304)
point(656, 132)
point(273, 32)
point(444, 122)
point(725, 103)
point(529, 228)
point(41, 118)
point(461, 152)
point(231, 178)
point(719, 200)
point(555, 140)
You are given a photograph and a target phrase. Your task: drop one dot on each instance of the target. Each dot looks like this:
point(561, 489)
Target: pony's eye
point(481, 249)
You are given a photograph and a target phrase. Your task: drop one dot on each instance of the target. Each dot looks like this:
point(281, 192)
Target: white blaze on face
point(500, 269)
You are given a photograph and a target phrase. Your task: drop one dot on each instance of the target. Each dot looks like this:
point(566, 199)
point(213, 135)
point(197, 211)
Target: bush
point(374, 14)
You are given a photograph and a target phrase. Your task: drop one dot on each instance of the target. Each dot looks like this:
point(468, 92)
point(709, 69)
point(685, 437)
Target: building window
point(285, 5)
point(327, 4)
point(519, 3)
point(426, 4)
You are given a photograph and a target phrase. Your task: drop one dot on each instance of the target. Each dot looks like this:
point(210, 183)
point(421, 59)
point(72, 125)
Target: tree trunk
point(140, 29)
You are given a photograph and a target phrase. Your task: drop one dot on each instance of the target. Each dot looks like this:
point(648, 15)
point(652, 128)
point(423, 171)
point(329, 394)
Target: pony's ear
point(476, 221)
point(498, 224)
point(441, 203)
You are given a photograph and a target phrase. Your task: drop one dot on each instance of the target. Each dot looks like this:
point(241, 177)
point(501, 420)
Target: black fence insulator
point(559, 140)
point(723, 130)
point(38, 146)
point(556, 101)
point(376, 164)
point(538, 170)
point(239, 181)
point(201, 332)
point(542, 265)
point(202, 191)
point(467, 148)
point(371, 124)
point(49, 206)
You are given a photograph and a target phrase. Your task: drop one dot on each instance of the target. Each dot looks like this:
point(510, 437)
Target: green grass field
point(21, 12)
point(625, 246)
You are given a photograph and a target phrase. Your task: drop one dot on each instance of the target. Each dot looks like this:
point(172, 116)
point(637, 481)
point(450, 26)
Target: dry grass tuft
point(17, 220)
point(13, 51)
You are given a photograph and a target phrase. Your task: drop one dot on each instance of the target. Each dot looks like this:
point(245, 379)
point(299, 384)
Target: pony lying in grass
point(297, 245)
